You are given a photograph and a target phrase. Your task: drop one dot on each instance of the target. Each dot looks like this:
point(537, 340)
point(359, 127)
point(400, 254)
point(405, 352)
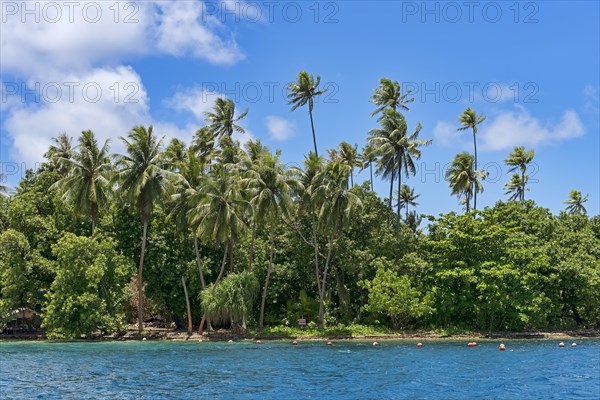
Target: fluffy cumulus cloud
point(280, 129)
point(516, 127)
point(194, 100)
point(63, 67)
point(109, 101)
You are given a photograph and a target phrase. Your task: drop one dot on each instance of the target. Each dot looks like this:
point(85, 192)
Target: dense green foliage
point(234, 225)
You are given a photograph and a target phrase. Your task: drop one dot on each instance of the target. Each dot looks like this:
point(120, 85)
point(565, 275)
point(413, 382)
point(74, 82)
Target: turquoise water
point(347, 370)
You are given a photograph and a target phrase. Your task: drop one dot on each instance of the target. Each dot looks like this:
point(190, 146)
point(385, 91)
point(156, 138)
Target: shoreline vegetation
point(215, 233)
point(359, 333)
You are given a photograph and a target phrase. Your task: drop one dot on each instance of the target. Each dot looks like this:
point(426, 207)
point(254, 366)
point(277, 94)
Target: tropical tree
point(407, 197)
point(516, 187)
point(388, 95)
point(303, 92)
point(368, 158)
point(60, 151)
point(143, 180)
point(87, 185)
point(335, 203)
point(463, 179)
point(575, 202)
point(348, 155)
point(271, 186)
point(396, 151)
point(203, 144)
point(518, 159)
point(222, 120)
point(469, 120)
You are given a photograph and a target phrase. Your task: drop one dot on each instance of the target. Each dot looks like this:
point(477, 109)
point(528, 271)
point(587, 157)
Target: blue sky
point(530, 67)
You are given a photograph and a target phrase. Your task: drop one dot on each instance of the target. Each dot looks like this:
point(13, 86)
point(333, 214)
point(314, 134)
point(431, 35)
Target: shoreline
point(224, 336)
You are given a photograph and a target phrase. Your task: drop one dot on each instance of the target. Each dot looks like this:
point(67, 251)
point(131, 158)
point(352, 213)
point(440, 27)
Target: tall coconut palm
point(87, 186)
point(469, 120)
point(59, 152)
point(203, 144)
point(515, 187)
point(396, 150)
point(303, 92)
point(222, 120)
point(463, 179)
point(144, 181)
point(407, 197)
point(271, 186)
point(519, 159)
point(335, 203)
point(575, 202)
point(368, 158)
point(176, 154)
point(347, 154)
point(388, 95)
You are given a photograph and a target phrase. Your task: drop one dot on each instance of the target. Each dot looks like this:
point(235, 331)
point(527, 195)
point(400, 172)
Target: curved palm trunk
point(187, 303)
point(324, 282)
point(251, 256)
point(264, 295)
point(312, 125)
point(316, 248)
point(140, 270)
point(475, 148)
point(392, 189)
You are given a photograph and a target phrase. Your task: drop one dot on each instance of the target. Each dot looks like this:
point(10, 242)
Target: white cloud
point(519, 128)
point(280, 129)
point(102, 108)
point(591, 99)
point(196, 100)
point(77, 36)
point(512, 128)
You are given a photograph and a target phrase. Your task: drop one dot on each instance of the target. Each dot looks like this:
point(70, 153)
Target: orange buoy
point(295, 342)
point(561, 344)
point(471, 344)
point(501, 347)
point(419, 344)
point(375, 344)
point(258, 342)
point(329, 344)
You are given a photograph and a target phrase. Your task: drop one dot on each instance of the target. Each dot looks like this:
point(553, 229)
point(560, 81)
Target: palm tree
point(335, 203)
point(463, 179)
point(469, 120)
point(144, 181)
point(396, 150)
point(222, 120)
point(348, 155)
point(407, 197)
point(518, 159)
point(271, 185)
point(368, 158)
point(575, 202)
point(303, 92)
point(515, 187)
point(176, 154)
point(203, 144)
point(87, 186)
point(59, 152)
point(388, 95)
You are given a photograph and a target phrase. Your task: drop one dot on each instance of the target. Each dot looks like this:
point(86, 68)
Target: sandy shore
point(223, 335)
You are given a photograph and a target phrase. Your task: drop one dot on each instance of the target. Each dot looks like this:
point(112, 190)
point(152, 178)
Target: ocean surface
point(528, 369)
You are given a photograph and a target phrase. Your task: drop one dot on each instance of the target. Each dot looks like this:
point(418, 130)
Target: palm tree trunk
point(371, 171)
point(187, 303)
point(392, 189)
point(316, 248)
point(264, 295)
point(324, 282)
point(251, 256)
point(199, 262)
point(223, 261)
point(406, 210)
point(475, 191)
point(140, 270)
point(231, 258)
point(312, 125)
point(352, 177)
point(93, 226)
point(94, 216)
point(399, 187)
point(522, 185)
